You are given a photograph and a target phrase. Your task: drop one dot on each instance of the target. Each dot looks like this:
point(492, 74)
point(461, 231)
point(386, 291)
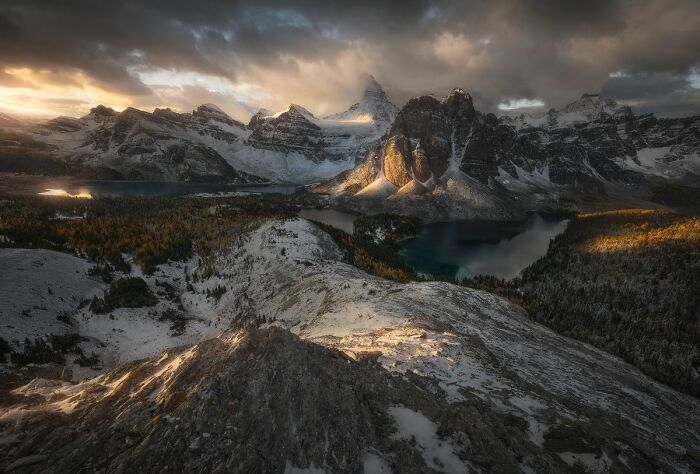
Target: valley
point(365, 237)
point(459, 292)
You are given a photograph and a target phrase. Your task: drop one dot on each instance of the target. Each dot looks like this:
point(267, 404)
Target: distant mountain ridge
point(209, 145)
point(440, 157)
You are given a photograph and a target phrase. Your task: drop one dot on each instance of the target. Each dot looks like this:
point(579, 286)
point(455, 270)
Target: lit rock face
point(424, 134)
point(358, 178)
point(397, 161)
point(421, 164)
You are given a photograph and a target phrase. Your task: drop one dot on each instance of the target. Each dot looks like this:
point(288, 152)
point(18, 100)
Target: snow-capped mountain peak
point(102, 111)
point(374, 106)
point(298, 109)
point(214, 113)
point(212, 107)
point(374, 90)
point(589, 108)
point(592, 107)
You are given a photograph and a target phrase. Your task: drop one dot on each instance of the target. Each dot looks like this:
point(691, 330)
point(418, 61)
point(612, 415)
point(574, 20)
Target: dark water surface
point(469, 248)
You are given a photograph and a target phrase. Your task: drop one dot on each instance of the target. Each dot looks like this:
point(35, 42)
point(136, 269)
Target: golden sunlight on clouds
point(44, 94)
point(322, 87)
point(454, 49)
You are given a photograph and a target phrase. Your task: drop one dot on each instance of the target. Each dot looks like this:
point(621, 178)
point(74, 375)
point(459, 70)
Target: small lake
point(468, 248)
point(157, 188)
point(340, 220)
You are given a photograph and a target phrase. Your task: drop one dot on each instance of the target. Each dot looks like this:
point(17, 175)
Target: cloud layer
point(63, 57)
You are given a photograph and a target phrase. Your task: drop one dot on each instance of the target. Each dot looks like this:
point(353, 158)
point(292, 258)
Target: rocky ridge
point(208, 145)
point(376, 376)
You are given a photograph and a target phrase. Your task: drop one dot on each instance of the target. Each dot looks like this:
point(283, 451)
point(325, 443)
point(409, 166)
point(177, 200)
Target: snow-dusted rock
point(426, 375)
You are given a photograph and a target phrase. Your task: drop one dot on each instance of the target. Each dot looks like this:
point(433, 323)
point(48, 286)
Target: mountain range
point(208, 145)
point(436, 156)
point(450, 160)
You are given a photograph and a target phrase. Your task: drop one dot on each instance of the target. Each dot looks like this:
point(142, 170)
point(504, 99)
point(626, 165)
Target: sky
point(64, 57)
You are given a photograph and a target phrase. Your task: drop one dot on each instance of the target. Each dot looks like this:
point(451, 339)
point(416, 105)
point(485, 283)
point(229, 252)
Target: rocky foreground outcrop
point(325, 367)
point(259, 401)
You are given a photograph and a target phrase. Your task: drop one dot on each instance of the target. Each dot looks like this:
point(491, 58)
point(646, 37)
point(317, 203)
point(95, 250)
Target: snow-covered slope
point(475, 344)
point(38, 285)
point(463, 372)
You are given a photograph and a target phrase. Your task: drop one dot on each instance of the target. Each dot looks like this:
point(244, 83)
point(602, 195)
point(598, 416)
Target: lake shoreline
point(466, 248)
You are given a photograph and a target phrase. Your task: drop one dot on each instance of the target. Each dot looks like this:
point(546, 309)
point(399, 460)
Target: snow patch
point(438, 454)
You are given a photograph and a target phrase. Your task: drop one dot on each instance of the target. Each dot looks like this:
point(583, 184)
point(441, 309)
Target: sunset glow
point(64, 193)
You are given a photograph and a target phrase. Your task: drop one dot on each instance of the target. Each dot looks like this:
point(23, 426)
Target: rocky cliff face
point(590, 147)
point(419, 168)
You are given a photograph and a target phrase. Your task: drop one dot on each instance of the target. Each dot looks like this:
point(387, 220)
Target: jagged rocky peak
point(459, 103)
point(592, 107)
point(215, 113)
point(435, 120)
point(259, 117)
point(168, 114)
point(374, 106)
point(131, 112)
point(298, 109)
point(373, 89)
point(458, 96)
point(102, 111)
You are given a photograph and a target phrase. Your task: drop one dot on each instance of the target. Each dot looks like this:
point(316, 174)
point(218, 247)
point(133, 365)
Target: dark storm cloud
point(649, 92)
point(547, 49)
